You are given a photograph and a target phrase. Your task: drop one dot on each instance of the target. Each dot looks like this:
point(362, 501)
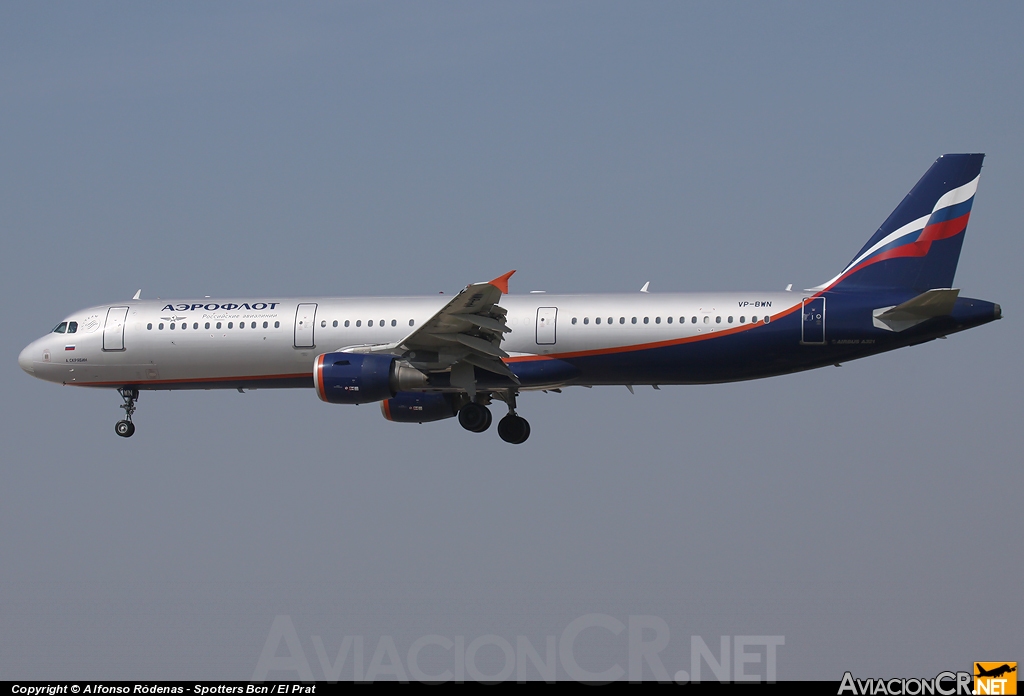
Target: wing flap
point(467, 331)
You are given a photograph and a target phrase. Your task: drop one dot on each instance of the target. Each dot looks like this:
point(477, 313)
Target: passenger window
point(718, 320)
point(346, 323)
point(172, 326)
point(253, 325)
point(647, 320)
point(195, 325)
point(241, 324)
point(693, 320)
point(218, 324)
point(184, 326)
point(597, 321)
point(669, 320)
point(767, 318)
point(61, 327)
point(277, 325)
point(207, 324)
point(707, 320)
point(633, 320)
point(586, 320)
point(753, 319)
point(574, 320)
point(743, 319)
point(335, 323)
point(160, 326)
point(231, 325)
point(359, 322)
point(266, 324)
point(149, 327)
point(611, 320)
point(657, 320)
point(730, 320)
point(411, 322)
point(394, 322)
point(622, 320)
point(323, 324)
point(370, 323)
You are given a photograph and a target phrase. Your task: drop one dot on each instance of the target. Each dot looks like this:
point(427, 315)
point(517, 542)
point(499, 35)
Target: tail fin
point(918, 246)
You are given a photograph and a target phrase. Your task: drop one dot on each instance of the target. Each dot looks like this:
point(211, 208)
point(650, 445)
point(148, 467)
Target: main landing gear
point(476, 418)
point(125, 428)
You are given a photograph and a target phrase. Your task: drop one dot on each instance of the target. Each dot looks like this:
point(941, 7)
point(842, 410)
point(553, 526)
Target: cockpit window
point(61, 327)
point(72, 326)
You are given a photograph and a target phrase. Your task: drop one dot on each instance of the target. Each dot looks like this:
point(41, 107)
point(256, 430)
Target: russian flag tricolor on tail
point(918, 246)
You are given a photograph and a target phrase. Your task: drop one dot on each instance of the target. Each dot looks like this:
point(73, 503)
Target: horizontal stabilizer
point(927, 305)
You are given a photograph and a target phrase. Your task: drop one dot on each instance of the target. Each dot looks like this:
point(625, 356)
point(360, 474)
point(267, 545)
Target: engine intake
point(355, 378)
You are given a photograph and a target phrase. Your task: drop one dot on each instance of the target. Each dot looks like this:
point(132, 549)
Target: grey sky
point(870, 514)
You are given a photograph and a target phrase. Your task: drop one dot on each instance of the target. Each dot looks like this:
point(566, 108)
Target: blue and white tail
point(918, 246)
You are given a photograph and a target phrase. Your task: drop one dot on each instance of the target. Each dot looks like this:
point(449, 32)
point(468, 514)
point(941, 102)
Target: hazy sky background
point(870, 514)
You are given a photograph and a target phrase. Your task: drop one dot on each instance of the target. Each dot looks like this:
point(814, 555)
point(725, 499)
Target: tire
point(514, 430)
point(124, 428)
point(474, 418)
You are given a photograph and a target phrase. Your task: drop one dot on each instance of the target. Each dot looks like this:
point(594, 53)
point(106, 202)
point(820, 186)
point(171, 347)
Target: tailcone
point(970, 312)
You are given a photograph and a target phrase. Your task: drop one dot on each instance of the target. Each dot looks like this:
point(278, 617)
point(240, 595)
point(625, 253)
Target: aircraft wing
point(467, 330)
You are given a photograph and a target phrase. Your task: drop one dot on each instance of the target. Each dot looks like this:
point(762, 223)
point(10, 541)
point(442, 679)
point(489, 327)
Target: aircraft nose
point(25, 360)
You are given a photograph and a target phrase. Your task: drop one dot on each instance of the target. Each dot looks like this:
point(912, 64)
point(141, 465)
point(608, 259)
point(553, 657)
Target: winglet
point(501, 282)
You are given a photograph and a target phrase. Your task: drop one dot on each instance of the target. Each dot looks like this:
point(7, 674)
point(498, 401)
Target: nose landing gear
point(125, 428)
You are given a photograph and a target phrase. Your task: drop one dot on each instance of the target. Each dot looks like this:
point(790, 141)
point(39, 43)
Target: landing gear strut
point(475, 417)
point(513, 428)
point(125, 428)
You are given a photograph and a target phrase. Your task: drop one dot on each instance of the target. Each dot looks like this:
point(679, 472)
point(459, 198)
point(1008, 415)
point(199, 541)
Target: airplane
point(429, 358)
point(995, 672)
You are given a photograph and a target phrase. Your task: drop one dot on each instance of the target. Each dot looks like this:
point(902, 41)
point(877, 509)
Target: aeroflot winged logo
point(214, 306)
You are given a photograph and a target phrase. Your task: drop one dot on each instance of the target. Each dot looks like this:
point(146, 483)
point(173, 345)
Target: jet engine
point(421, 407)
point(355, 378)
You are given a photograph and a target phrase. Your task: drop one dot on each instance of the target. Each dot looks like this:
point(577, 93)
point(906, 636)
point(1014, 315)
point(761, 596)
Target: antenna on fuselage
point(138, 294)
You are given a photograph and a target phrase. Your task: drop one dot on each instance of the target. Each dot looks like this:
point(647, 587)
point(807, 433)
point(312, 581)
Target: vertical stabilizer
point(918, 246)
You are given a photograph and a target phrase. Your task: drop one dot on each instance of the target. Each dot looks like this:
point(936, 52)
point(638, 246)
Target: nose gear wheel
point(125, 428)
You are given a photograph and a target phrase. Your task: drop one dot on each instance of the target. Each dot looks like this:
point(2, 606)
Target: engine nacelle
point(356, 378)
point(420, 407)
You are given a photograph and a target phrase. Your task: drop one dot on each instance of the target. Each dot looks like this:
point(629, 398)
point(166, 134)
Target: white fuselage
point(211, 343)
